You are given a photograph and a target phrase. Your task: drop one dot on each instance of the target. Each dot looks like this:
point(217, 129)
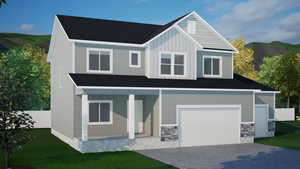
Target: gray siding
point(266, 98)
point(172, 98)
point(172, 41)
point(62, 117)
point(204, 35)
point(120, 59)
point(227, 70)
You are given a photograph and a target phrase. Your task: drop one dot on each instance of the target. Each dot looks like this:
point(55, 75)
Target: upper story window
point(99, 60)
point(134, 59)
point(100, 112)
point(212, 66)
point(191, 27)
point(172, 63)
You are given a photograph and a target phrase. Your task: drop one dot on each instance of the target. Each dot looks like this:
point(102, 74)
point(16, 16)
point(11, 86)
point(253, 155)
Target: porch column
point(131, 110)
point(84, 117)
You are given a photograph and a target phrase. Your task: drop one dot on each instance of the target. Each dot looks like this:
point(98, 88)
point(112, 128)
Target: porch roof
point(97, 80)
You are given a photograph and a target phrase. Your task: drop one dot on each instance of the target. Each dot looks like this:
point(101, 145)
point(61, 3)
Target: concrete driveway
point(241, 156)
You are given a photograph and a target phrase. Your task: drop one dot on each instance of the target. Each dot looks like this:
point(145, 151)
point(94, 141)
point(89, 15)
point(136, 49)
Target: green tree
point(19, 77)
point(282, 73)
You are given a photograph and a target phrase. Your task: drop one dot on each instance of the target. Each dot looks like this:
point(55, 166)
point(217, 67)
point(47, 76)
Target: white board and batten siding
point(285, 114)
point(173, 41)
point(42, 118)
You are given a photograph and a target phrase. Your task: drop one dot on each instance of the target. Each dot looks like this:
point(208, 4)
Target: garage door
point(209, 125)
point(261, 120)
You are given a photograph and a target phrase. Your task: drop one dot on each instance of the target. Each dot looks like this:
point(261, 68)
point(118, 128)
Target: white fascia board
point(108, 43)
point(219, 51)
point(168, 29)
point(267, 92)
point(162, 88)
point(188, 36)
point(211, 28)
point(52, 40)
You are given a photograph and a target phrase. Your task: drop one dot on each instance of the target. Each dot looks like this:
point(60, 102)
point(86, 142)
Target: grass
point(48, 152)
point(287, 135)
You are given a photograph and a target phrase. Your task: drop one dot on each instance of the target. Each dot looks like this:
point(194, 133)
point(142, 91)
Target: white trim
point(160, 112)
point(110, 112)
point(147, 61)
point(173, 64)
point(84, 117)
point(232, 65)
point(169, 125)
point(73, 57)
point(138, 57)
point(74, 143)
point(108, 43)
point(248, 122)
point(167, 29)
point(218, 51)
point(196, 65)
point(131, 116)
point(254, 111)
point(220, 66)
point(267, 92)
point(110, 71)
point(212, 29)
point(188, 36)
point(178, 115)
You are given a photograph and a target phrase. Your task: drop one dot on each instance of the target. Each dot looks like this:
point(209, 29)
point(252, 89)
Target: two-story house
point(122, 86)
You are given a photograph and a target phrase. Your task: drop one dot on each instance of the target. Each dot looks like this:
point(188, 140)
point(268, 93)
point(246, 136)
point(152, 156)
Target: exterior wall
point(151, 115)
point(42, 118)
point(120, 59)
point(227, 69)
point(266, 98)
point(172, 41)
point(61, 85)
point(204, 35)
point(172, 98)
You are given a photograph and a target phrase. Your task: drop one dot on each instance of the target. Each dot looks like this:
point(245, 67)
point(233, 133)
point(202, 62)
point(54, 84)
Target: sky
point(254, 20)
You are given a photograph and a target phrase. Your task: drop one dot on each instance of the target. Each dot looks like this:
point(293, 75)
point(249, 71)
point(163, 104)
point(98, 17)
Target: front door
point(139, 116)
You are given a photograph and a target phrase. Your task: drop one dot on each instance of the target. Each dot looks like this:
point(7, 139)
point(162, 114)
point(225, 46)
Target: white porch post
point(85, 117)
point(131, 110)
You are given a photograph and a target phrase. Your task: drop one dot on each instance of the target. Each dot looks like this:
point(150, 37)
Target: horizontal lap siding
point(172, 98)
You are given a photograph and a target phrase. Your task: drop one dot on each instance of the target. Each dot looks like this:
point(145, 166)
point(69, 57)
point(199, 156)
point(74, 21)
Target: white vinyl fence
point(42, 118)
point(285, 114)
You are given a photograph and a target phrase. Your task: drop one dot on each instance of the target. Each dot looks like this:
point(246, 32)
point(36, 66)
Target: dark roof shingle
point(83, 28)
point(238, 82)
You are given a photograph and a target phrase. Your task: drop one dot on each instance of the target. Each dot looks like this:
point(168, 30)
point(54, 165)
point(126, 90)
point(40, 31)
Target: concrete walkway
point(241, 156)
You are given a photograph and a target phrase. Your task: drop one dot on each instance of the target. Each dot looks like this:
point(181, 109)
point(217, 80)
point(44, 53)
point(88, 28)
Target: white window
point(99, 60)
point(172, 64)
point(191, 27)
point(134, 59)
point(100, 112)
point(212, 66)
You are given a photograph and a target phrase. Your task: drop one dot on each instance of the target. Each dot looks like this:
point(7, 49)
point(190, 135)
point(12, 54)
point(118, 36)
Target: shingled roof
point(83, 28)
point(98, 80)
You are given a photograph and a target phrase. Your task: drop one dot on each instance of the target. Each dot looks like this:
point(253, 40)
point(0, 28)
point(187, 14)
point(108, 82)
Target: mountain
point(262, 50)
point(11, 40)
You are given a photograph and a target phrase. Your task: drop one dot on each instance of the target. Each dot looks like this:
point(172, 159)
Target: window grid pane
point(104, 61)
point(134, 59)
point(94, 112)
point(207, 66)
point(216, 66)
point(104, 112)
point(94, 60)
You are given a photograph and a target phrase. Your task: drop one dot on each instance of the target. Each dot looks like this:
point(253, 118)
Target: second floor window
point(100, 60)
point(134, 59)
point(172, 64)
point(212, 66)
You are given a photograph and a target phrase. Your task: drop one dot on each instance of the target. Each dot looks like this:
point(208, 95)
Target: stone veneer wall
point(247, 129)
point(271, 126)
point(169, 133)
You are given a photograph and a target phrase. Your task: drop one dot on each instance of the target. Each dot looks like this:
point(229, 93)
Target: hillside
point(11, 40)
point(270, 49)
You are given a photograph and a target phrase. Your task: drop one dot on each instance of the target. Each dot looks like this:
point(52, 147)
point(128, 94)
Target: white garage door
point(261, 120)
point(209, 125)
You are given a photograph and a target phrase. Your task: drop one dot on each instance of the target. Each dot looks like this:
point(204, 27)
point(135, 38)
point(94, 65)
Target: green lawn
point(287, 135)
point(47, 152)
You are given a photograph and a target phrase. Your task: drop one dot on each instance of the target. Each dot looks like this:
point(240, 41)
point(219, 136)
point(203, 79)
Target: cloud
point(257, 20)
point(26, 27)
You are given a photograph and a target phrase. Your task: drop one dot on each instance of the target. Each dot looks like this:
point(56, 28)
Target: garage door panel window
point(212, 66)
point(100, 112)
point(99, 60)
point(172, 64)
